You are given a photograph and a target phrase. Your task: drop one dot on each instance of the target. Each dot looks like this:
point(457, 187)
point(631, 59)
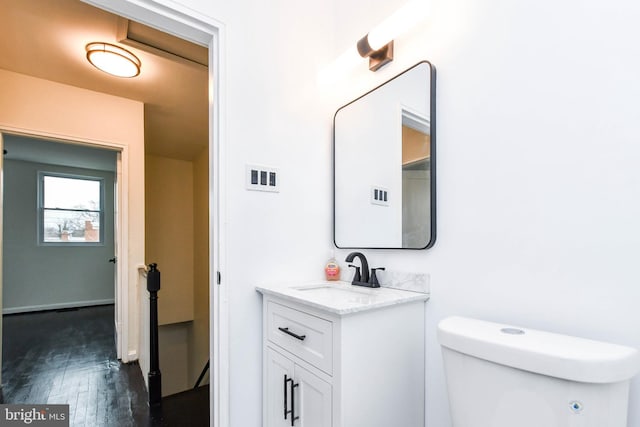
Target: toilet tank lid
point(556, 355)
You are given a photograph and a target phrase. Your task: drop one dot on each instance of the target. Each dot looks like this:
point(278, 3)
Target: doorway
point(58, 256)
point(61, 255)
point(206, 32)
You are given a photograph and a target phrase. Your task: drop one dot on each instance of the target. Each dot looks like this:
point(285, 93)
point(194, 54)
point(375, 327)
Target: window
point(70, 209)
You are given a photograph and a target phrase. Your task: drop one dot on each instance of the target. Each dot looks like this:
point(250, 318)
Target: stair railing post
point(155, 377)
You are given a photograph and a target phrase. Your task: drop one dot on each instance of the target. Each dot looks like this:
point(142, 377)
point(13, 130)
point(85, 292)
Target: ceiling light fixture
point(113, 59)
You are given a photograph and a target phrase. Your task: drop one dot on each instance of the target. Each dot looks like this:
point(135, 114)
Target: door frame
point(1, 251)
point(184, 22)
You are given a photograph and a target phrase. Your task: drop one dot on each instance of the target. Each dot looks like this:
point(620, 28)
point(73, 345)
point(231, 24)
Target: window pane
point(71, 226)
point(70, 193)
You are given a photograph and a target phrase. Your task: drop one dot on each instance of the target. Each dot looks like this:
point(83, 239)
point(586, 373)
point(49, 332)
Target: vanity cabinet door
point(278, 389)
point(314, 397)
point(295, 392)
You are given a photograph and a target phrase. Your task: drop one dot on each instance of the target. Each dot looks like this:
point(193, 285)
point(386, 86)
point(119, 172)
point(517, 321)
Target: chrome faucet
point(363, 279)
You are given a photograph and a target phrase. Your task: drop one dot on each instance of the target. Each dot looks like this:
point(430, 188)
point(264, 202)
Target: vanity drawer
point(306, 336)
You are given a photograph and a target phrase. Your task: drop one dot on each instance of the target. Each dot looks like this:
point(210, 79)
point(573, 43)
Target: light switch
point(262, 178)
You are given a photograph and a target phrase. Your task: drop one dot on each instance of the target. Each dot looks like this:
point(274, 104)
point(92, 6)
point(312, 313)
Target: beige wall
point(169, 234)
point(177, 220)
point(199, 337)
point(415, 145)
point(33, 104)
point(173, 351)
point(40, 107)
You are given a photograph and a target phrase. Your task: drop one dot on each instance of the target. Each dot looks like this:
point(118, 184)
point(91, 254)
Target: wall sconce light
point(377, 57)
point(113, 59)
point(378, 44)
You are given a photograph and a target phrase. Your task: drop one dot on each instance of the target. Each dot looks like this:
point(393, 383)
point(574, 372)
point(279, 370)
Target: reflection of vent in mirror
point(380, 196)
point(416, 145)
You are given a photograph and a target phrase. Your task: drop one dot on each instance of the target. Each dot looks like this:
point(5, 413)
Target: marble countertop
point(340, 297)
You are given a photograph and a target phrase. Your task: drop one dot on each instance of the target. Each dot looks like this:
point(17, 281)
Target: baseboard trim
point(58, 306)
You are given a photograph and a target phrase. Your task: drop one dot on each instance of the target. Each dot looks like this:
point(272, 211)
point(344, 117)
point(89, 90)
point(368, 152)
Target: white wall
point(275, 117)
point(416, 212)
point(360, 146)
point(39, 277)
point(537, 166)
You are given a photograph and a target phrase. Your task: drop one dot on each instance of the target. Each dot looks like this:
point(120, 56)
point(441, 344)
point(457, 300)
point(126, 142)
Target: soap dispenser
point(332, 269)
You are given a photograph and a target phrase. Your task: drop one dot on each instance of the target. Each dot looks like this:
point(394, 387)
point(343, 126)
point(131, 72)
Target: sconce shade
point(378, 43)
point(377, 57)
point(113, 59)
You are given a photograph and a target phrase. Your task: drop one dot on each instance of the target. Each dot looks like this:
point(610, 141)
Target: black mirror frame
point(432, 173)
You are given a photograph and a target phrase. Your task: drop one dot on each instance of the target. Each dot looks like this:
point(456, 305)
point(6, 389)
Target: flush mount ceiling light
point(113, 59)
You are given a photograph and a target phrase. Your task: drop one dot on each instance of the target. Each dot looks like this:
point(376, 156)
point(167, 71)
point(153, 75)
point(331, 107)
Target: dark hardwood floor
point(69, 357)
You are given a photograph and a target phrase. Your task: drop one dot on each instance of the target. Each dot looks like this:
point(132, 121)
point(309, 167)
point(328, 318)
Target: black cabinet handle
point(293, 403)
point(286, 381)
point(293, 400)
point(285, 397)
point(288, 332)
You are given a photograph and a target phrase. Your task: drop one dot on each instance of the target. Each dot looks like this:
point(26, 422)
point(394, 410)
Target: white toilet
point(504, 376)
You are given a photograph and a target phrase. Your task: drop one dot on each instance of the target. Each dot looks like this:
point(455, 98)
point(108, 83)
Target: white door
point(312, 400)
point(278, 385)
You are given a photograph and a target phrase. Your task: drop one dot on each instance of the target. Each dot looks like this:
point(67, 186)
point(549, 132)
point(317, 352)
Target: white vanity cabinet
point(329, 368)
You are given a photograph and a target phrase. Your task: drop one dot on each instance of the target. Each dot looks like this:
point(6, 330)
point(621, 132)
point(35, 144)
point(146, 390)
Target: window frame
point(41, 208)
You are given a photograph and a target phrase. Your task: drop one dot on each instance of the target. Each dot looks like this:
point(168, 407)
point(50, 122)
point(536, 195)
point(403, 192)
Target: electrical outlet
point(379, 196)
point(262, 178)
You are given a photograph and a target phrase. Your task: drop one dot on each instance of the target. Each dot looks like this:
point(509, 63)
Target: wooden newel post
point(155, 377)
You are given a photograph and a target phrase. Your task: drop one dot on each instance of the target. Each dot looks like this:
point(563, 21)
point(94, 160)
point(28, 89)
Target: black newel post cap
point(153, 278)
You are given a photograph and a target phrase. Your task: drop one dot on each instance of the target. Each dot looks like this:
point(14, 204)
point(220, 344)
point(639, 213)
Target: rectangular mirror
point(384, 165)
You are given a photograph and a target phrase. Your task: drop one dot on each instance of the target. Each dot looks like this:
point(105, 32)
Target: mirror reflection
point(384, 165)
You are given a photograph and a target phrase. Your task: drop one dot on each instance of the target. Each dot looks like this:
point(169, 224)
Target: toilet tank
point(505, 376)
